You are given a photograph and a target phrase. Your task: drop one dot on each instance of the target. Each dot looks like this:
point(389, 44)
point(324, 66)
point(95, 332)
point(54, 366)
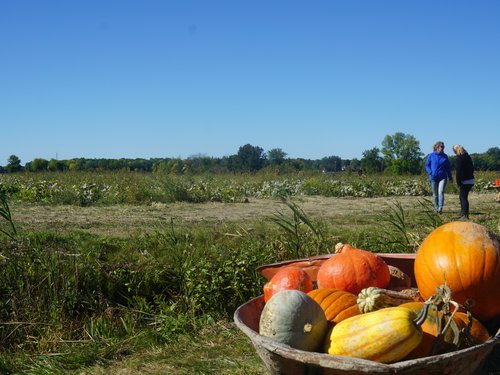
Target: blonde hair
point(459, 150)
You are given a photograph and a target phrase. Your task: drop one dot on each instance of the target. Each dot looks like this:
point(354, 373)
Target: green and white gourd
point(292, 317)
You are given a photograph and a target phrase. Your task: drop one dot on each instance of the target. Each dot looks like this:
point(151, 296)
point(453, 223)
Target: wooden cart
point(282, 359)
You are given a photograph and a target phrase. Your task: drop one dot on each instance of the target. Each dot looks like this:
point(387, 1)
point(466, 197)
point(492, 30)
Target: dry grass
point(123, 220)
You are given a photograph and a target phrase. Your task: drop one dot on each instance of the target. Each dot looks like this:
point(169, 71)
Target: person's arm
point(428, 166)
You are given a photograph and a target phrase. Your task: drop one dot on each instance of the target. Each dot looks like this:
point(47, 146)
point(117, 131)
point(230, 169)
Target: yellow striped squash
point(386, 335)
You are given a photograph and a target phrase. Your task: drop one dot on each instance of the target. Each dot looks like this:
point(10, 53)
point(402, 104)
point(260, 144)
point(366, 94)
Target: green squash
point(293, 318)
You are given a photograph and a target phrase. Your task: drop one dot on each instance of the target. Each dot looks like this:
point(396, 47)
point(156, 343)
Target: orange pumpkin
point(288, 278)
point(430, 332)
point(337, 304)
point(352, 270)
point(478, 332)
point(466, 257)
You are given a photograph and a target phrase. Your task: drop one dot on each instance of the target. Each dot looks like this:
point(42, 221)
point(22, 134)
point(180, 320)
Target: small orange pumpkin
point(337, 304)
point(478, 332)
point(466, 257)
point(288, 278)
point(430, 329)
point(352, 270)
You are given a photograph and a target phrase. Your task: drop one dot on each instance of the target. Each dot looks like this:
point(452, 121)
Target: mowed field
point(124, 220)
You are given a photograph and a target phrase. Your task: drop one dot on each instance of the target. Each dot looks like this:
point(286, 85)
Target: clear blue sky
point(143, 79)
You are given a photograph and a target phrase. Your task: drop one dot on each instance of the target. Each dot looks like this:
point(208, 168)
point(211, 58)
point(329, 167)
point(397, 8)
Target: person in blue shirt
point(439, 169)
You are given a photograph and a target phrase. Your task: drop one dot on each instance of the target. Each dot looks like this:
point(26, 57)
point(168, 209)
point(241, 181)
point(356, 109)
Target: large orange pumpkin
point(288, 278)
point(465, 256)
point(337, 304)
point(352, 270)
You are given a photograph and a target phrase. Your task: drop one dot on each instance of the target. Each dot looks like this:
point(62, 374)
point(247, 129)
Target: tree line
point(399, 154)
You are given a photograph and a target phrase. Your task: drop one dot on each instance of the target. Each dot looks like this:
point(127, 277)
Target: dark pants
point(464, 199)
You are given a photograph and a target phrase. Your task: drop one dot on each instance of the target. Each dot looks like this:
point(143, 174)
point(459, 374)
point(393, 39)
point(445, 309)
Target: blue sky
point(143, 79)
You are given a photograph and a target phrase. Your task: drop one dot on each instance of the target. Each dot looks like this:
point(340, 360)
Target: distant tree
point(354, 165)
point(402, 154)
point(276, 156)
point(38, 165)
point(295, 165)
point(200, 163)
point(115, 164)
point(372, 161)
point(346, 164)
point(103, 164)
point(13, 164)
point(71, 165)
point(251, 158)
point(231, 163)
point(161, 166)
point(492, 157)
point(176, 166)
point(77, 164)
point(90, 164)
point(494, 151)
point(331, 164)
point(56, 165)
point(139, 165)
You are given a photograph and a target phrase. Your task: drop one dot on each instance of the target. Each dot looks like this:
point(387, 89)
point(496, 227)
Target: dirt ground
point(123, 220)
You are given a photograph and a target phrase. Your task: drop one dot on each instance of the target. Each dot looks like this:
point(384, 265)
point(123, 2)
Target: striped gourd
point(385, 335)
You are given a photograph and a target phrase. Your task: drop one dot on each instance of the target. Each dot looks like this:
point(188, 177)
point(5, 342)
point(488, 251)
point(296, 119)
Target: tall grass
point(5, 214)
point(301, 236)
point(94, 295)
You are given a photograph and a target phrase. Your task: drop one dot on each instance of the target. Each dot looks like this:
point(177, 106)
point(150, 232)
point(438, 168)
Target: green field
point(140, 273)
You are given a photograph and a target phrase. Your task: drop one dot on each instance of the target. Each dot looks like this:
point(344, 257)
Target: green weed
point(5, 214)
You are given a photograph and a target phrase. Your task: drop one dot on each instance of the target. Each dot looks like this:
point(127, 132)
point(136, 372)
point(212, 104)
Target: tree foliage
point(331, 164)
point(37, 165)
point(250, 158)
point(402, 154)
point(372, 161)
point(276, 156)
point(13, 164)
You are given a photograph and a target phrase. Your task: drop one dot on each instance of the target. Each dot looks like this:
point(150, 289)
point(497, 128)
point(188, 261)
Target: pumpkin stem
point(338, 247)
point(442, 301)
point(450, 319)
point(422, 315)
